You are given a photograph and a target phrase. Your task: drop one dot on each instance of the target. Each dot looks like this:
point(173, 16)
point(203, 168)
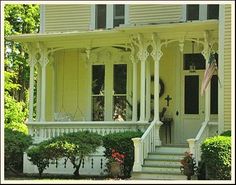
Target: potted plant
point(188, 166)
point(116, 163)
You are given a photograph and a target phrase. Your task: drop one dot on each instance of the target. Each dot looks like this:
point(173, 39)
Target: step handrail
point(146, 144)
point(195, 143)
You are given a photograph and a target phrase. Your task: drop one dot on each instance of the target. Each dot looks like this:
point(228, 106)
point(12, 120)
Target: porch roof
point(119, 35)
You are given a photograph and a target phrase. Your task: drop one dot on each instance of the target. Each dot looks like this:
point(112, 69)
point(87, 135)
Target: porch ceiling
point(119, 35)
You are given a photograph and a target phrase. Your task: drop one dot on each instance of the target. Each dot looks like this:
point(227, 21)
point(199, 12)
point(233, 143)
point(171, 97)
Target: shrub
point(226, 133)
point(216, 154)
point(16, 143)
point(72, 146)
point(39, 156)
point(122, 143)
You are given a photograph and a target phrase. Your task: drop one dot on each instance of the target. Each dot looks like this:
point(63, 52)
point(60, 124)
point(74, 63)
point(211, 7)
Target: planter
point(115, 169)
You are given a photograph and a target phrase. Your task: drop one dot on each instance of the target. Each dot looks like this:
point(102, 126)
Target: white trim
point(38, 107)
point(184, 12)
point(221, 69)
point(92, 17)
point(42, 18)
point(126, 14)
point(109, 15)
point(202, 12)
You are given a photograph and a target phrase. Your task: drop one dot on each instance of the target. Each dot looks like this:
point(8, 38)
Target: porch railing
point(146, 144)
point(203, 133)
point(45, 130)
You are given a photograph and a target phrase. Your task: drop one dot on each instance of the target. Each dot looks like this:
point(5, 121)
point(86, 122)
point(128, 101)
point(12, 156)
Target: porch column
point(156, 54)
point(206, 53)
point(134, 99)
point(53, 86)
point(142, 54)
point(32, 62)
point(38, 107)
point(43, 61)
point(148, 94)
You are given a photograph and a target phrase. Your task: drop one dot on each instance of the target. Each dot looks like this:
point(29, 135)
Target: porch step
point(163, 164)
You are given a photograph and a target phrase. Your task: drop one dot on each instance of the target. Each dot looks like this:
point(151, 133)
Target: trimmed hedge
point(226, 133)
point(16, 142)
point(122, 143)
point(216, 154)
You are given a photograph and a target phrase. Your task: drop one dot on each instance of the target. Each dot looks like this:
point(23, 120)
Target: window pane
point(118, 15)
point(119, 109)
point(214, 95)
point(213, 11)
point(100, 16)
point(191, 95)
point(119, 10)
point(98, 108)
point(117, 22)
point(120, 78)
point(98, 76)
point(192, 12)
point(196, 59)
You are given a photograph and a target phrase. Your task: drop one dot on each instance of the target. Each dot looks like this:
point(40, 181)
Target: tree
point(19, 19)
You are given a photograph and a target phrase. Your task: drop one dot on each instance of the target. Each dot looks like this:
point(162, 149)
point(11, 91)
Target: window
point(213, 11)
point(191, 95)
point(192, 12)
point(201, 12)
point(194, 59)
point(118, 15)
point(108, 15)
point(100, 14)
point(98, 84)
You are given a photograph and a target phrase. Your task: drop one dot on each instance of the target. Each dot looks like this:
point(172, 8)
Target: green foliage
point(226, 133)
point(19, 19)
point(40, 156)
point(72, 146)
point(16, 142)
point(122, 143)
point(216, 154)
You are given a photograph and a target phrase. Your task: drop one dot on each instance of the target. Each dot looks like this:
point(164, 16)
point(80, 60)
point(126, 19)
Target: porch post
point(134, 99)
point(142, 54)
point(32, 62)
point(137, 154)
point(43, 61)
point(148, 94)
point(53, 86)
point(38, 107)
point(141, 44)
point(156, 54)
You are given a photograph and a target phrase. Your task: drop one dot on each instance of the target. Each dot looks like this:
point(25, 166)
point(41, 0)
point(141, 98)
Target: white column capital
point(156, 45)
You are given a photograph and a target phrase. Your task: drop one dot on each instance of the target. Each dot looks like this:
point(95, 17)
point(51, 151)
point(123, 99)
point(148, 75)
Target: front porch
point(86, 80)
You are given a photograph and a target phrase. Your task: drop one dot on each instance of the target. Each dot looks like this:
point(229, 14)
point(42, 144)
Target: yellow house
point(115, 67)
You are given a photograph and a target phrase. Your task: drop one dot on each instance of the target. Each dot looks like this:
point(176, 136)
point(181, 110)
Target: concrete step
point(165, 156)
point(161, 162)
point(148, 175)
point(168, 149)
point(161, 169)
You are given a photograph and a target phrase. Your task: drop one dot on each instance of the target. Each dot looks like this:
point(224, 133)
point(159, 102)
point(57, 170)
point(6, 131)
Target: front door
point(193, 106)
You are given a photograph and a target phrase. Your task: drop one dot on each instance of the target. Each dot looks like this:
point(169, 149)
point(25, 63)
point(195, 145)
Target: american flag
point(212, 67)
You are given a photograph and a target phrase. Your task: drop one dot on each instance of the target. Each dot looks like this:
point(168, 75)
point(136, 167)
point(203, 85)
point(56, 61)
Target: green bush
point(122, 143)
point(216, 154)
point(72, 146)
point(40, 156)
point(226, 133)
point(16, 143)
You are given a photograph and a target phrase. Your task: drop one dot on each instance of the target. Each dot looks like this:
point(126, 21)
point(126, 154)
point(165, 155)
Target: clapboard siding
point(227, 68)
point(153, 13)
point(59, 18)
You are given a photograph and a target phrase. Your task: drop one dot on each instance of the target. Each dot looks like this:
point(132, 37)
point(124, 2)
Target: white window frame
point(202, 12)
point(109, 16)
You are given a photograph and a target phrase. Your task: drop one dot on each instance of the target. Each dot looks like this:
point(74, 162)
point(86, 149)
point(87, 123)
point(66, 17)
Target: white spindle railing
point(146, 144)
point(195, 143)
point(42, 131)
